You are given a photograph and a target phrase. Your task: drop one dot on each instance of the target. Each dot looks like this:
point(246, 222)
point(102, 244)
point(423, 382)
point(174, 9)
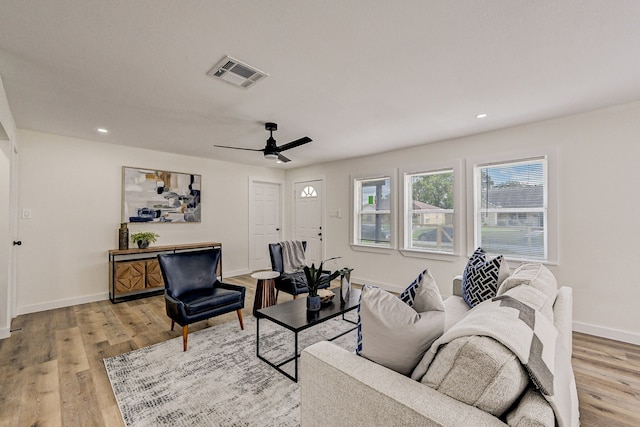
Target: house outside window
point(429, 211)
point(511, 208)
point(372, 209)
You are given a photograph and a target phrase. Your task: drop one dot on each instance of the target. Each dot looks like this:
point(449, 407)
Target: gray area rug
point(219, 381)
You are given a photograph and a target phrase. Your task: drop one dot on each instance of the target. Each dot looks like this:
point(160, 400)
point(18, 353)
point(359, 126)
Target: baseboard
point(235, 273)
point(5, 333)
point(50, 305)
point(609, 333)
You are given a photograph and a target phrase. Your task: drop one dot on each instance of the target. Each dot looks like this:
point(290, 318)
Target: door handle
point(17, 242)
point(277, 229)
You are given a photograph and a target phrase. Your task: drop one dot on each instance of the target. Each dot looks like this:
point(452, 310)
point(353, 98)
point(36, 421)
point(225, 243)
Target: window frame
point(458, 218)
point(355, 244)
point(549, 154)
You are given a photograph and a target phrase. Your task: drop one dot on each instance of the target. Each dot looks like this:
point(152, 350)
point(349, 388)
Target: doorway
point(265, 221)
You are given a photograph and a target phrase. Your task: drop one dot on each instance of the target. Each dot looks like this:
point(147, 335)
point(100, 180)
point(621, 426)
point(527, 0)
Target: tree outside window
point(429, 215)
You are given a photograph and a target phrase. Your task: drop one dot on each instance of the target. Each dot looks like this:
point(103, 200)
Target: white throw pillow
point(393, 334)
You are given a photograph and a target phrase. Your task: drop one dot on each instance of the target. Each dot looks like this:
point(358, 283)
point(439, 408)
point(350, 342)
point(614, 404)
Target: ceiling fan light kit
point(271, 151)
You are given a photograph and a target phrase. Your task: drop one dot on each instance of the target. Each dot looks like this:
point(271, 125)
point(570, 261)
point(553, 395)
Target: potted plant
point(315, 279)
point(143, 238)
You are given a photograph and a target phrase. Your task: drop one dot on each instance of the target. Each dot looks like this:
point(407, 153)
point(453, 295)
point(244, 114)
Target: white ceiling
point(358, 77)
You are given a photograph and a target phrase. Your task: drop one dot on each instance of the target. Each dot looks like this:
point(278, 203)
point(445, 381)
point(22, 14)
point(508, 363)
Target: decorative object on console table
point(123, 236)
point(345, 284)
point(143, 238)
point(315, 279)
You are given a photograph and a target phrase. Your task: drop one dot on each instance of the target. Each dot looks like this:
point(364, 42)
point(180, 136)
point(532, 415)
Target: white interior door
point(309, 218)
point(265, 222)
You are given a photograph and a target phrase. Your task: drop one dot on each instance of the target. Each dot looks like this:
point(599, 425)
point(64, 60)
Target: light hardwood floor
point(52, 374)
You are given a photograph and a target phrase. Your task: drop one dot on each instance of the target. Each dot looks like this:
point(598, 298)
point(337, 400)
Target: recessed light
point(103, 130)
point(481, 115)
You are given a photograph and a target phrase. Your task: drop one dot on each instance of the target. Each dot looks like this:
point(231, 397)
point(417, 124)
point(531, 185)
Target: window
point(372, 211)
point(429, 211)
point(308, 191)
point(511, 208)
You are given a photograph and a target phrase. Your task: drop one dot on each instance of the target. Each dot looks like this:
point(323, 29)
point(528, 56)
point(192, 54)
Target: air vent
point(236, 73)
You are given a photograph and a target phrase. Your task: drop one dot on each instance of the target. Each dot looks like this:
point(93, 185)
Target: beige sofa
point(340, 388)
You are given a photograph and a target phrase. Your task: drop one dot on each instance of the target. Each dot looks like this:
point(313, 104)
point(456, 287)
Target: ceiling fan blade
point(282, 158)
point(239, 148)
point(295, 143)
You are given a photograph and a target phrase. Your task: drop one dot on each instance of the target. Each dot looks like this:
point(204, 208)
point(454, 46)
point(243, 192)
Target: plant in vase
point(315, 279)
point(143, 238)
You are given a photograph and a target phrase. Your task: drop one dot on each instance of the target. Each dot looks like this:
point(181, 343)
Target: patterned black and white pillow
point(409, 294)
point(482, 277)
point(423, 294)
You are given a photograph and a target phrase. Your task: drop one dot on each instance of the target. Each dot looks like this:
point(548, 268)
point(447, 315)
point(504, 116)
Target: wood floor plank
point(40, 403)
point(12, 385)
point(79, 403)
point(52, 370)
point(71, 354)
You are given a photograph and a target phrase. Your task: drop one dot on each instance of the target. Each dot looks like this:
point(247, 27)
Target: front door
point(309, 209)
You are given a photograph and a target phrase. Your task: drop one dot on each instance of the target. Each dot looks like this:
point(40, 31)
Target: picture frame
point(154, 195)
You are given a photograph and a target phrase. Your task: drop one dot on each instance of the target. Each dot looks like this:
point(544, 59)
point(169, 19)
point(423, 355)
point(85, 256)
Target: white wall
point(599, 211)
point(73, 188)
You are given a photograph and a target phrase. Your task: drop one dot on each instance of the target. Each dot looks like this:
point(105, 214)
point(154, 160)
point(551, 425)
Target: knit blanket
point(533, 339)
point(292, 255)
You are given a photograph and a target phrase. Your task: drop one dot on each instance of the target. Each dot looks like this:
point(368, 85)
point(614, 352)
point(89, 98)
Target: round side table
point(265, 289)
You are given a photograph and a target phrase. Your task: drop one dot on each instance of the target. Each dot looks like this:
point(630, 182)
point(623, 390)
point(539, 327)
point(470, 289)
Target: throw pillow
point(537, 276)
point(478, 371)
point(423, 294)
point(532, 410)
point(482, 277)
point(392, 334)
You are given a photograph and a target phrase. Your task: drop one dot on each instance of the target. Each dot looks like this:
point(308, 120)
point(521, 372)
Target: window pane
point(430, 211)
point(375, 194)
point(374, 218)
point(512, 209)
point(375, 228)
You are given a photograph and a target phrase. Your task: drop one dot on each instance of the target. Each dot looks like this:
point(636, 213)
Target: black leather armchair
point(291, 283)
point(193, 291)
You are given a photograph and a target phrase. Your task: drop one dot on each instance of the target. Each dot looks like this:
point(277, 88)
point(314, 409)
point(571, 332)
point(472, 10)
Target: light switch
point(26, 213)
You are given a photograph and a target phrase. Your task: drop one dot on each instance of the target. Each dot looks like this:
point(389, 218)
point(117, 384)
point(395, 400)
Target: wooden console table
point(135, 273)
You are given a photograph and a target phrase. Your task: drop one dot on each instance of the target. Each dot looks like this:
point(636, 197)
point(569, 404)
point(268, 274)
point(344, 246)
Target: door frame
point(323, 204)
point(252, 181)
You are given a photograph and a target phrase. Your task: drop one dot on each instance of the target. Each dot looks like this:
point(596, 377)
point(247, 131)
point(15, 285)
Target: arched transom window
point(308, 191)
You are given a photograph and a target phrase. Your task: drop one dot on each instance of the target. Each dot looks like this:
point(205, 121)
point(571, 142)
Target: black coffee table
point(293, 315)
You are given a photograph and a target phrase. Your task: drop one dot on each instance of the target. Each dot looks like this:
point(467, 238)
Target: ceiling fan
point(271, 150)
